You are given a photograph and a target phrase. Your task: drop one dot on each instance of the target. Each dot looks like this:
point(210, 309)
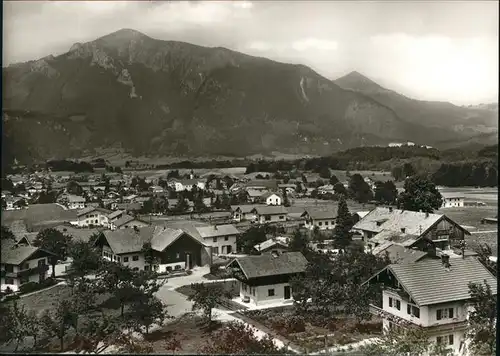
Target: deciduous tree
point(54, 241)
point(57, 322)
point(420, 194)
point(482, 319)
point(206, 297)
point(238, 338)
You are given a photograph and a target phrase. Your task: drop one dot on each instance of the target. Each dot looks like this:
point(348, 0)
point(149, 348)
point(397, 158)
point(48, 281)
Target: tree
point(339, 189)
point(298, 242)
point(251, 237)
point(484, 252)
point(6, 234)
point(225, 201)
point(286, 201)
point(238, 338)
point(333, 179)
point(341, 232)
point(408, 170)
point(97, 334)
point(117, 279)
point(482, 319)
point(74, 188)
point(325, 173)
point(182, 205)
point(359, 190)
point(57, 322)
point(146, 310)
point(385, 192)
point(54, 241)
point(411, 341)
point(420, 194)
point(206, 297)
point(149, 255)
point(21, 324)
point(85, 258)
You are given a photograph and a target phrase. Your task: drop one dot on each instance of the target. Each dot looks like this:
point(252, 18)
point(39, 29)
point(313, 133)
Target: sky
point(428, 50)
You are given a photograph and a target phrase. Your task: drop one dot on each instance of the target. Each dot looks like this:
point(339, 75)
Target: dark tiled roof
point(429, 282)
point(271, 210)
point(270, 243)
point(16, 254)
point(219, 230)
point(320, 215)
point(245, 209)
point(267, 265)
point(91, 209)
point(125, 219)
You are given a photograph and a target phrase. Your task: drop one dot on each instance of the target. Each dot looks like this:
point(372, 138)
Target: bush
point(33, 286)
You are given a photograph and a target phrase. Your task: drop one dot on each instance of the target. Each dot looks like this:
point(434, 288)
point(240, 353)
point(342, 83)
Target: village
point(311, 262)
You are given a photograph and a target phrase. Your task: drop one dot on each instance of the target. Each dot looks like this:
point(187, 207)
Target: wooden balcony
point(32, 271)
point(381, 313)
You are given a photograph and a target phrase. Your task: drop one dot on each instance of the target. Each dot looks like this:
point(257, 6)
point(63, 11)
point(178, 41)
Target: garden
point(314, 332)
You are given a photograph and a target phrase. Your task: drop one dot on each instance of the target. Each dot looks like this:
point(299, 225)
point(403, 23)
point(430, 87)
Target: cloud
point(243, 4)
point(259, 46)
point(314, 43)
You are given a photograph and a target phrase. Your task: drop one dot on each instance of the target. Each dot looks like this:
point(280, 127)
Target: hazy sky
point(427, 50)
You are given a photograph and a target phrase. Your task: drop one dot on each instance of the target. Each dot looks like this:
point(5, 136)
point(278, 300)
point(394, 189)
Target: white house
point(127, 221)
point(244, 212)
point(73, 201)
point(274, 246)
point(186, 184)
point(265, 279)
point(267, 214)
point(92, 217)
point(431, 294)
point(452, 200)
point(222, 238)
point(272, 199)
point(22, 263)
point(323, 220)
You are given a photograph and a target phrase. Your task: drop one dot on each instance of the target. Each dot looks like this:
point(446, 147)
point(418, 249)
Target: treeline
point(213, 164)
point(71, 166)
point(474, 174)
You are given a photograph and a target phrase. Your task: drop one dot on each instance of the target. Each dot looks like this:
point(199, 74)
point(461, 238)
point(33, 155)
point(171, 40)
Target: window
point(403, 230)
point(253, 292)
point(125, 259)
point(214, 239)
point(398, 304)
point(169, 268)
point(270, 292)
point(216, 250)
point(413, 310)
point(320, 223)
point(9, 268)
point(146, 268)
point(282, 217)
point(390, 302)
point(446, 313)
point(177, 267)
point(9, 280)
point(119, 259)
point(450, 339)
point(226, 238)
point(268, 217)
point(135, 258)
point(114, 258)
point(244, 287)
point(25, 266)
point(326, 223)
point(135, 268)
point(177, 255)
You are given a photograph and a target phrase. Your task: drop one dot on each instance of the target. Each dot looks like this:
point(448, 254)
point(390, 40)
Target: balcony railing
point(390, 317)
point(32, 271)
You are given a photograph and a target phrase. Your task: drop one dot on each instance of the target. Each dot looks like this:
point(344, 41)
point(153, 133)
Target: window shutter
point(450, 313)
point(450, 339)
point(438, 314)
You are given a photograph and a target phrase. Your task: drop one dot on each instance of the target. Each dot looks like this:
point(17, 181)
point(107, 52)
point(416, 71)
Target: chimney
point(445, 259)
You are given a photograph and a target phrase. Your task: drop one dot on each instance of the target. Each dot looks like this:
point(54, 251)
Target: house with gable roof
point(410, 229)
point(174, 249)
point(323, 220)
point(271, 213)
point(431, 294)
point(265, 279)
point(21, 262)
point(92, 216)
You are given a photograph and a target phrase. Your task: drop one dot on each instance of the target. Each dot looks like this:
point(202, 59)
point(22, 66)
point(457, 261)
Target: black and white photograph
point(249, 177)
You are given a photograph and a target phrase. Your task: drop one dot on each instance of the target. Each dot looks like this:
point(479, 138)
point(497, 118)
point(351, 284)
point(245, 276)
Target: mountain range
point(143, 96)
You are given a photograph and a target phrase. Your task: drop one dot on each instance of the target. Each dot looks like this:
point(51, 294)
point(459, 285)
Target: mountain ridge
point(148, 96)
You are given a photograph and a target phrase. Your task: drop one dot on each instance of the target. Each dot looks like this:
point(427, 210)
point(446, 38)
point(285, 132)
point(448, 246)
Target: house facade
point(431, 294)
point(272, 199)
point(269, 214)
point(265, 279)
point(22, 263)
point(408, 228)
point(73, 201)
point(275, 246)
point(127, 222)
point(244, 212)
point(221, 238)
point(323, 220)
point(172, 249)
point(92, 217)
point(451, 200)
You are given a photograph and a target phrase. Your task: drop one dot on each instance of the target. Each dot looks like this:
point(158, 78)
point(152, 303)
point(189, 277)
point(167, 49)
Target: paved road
point(177, 303)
